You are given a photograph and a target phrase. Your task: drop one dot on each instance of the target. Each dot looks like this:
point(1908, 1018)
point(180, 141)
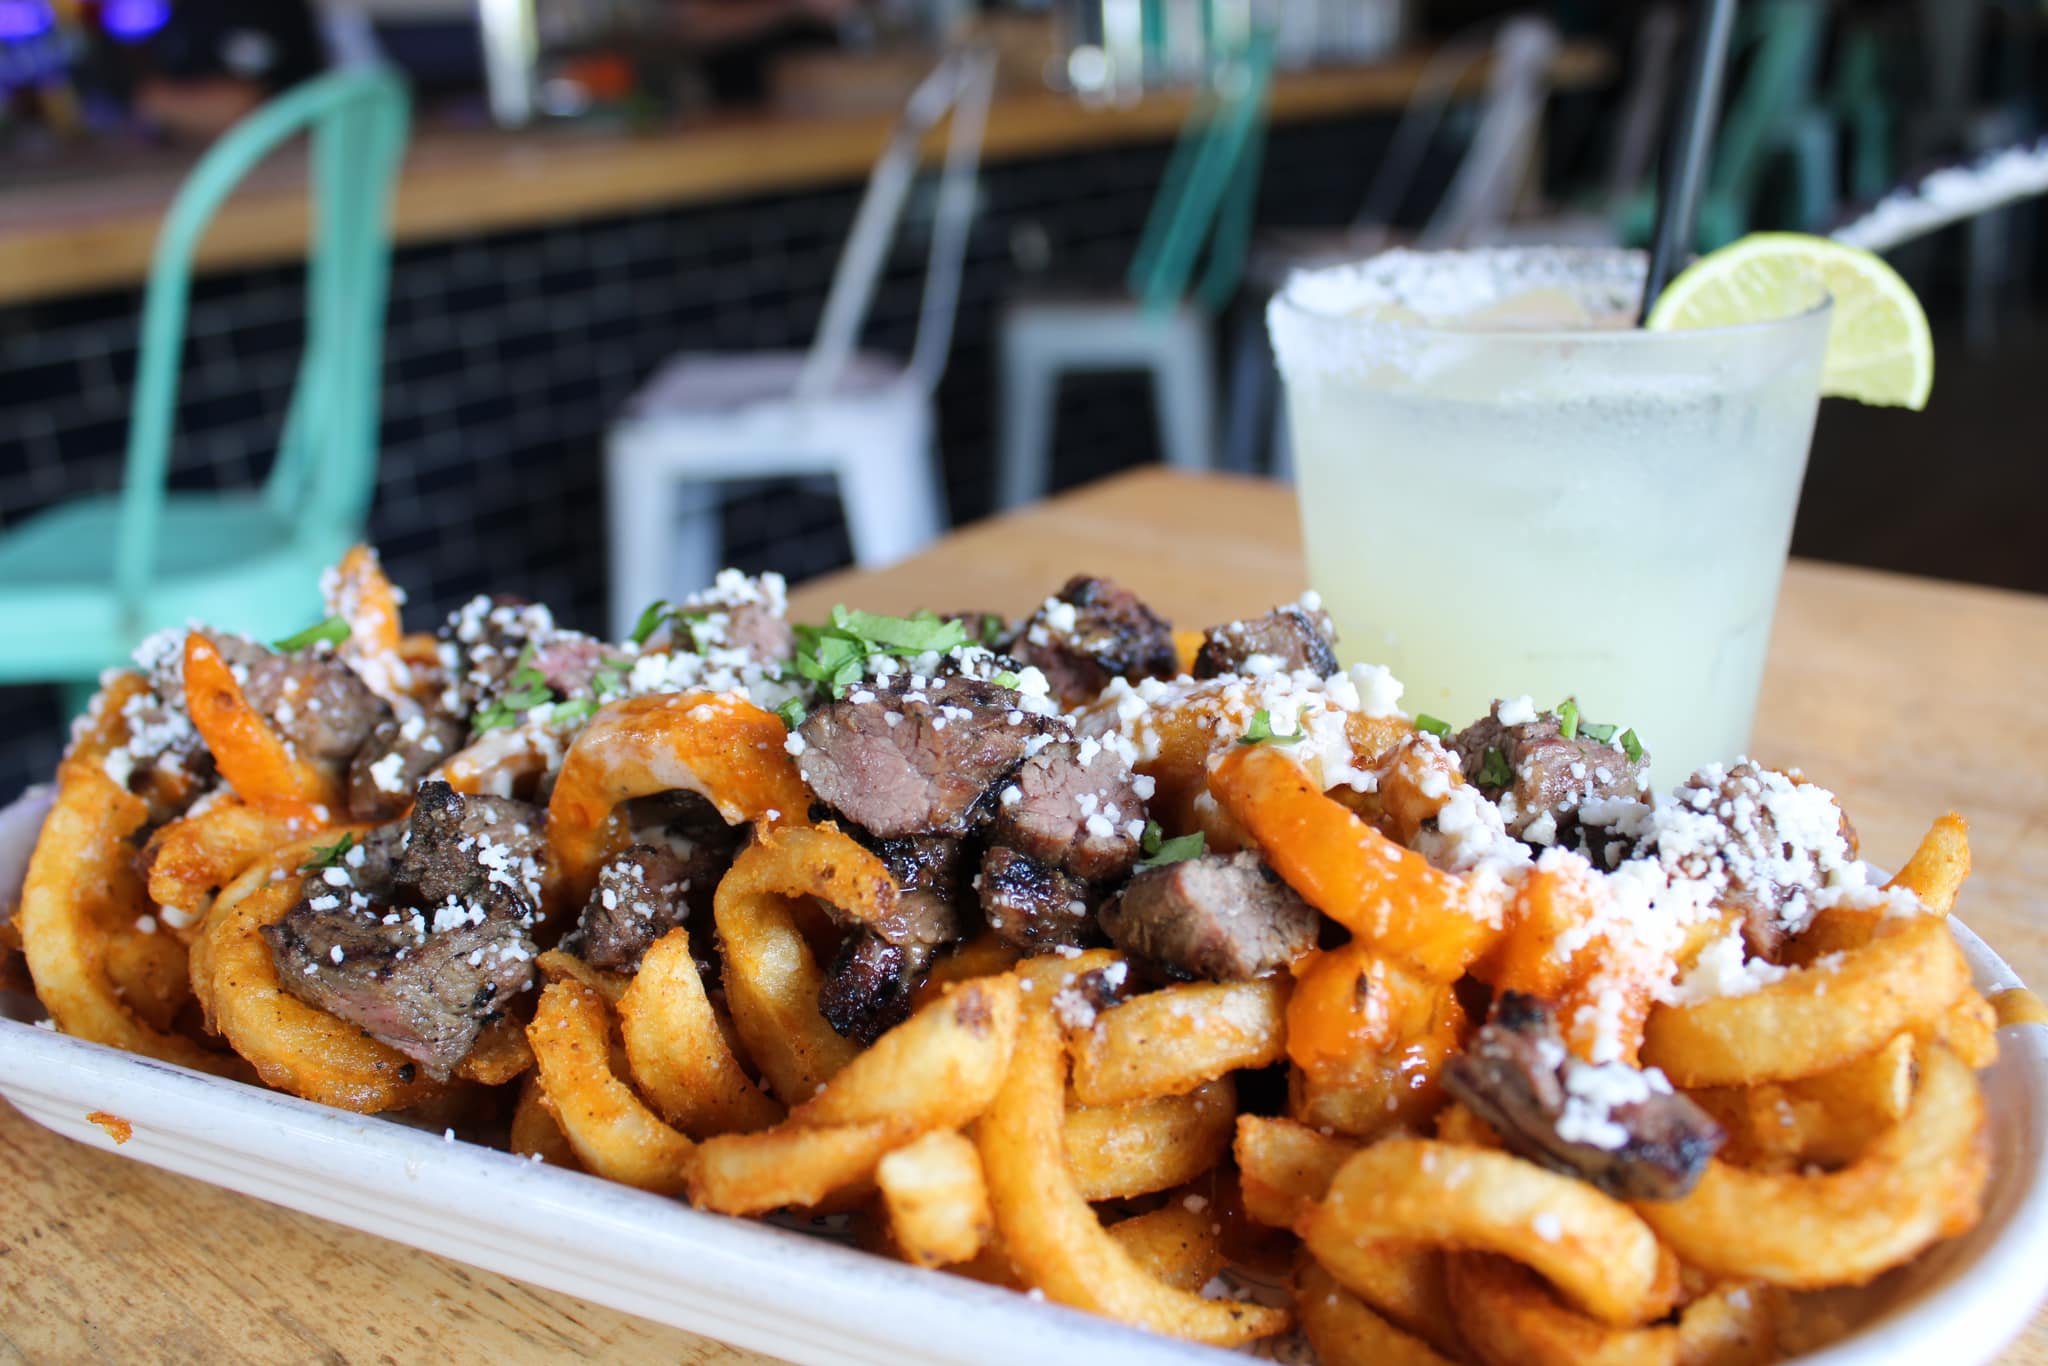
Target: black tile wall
point(507, 355)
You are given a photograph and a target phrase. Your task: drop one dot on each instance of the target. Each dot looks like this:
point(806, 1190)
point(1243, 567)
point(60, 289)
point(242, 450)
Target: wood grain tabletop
point(1907, 697)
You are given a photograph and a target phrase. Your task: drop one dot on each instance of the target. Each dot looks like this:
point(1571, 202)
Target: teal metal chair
point(81, 582)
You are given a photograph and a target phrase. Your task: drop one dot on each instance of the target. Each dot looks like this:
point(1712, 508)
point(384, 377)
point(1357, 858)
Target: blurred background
point(595, 188)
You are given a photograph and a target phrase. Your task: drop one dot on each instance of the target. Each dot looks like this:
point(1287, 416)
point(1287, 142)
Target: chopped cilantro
point(334, 631)
point(1632, 746)
point(608, 680)
point(1159, 852)
point(914, 635)
point(575, 709)
point(1597, 730)
point(327, 856)
point(1425, 722)
point(993, 629)
point(1494, 770)
point(792, 713)
point(494, 717)
point(650, 620)
point(1006, 679)
point(1260, 731)
point(1568, 717)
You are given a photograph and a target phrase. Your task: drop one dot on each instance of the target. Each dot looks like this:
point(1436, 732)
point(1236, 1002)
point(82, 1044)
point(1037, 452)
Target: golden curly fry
point(1604, 1261)
point(1285, 1167)
point(1345, 1332)
point(1512, 1319)
point(1921, 1180)
point(1180, 1246)
point(611, 1132)
point(294, 1047)
point(678, 1052)
point(534, 1132)
point(722, 748)
point(1141, 1146)
point(192, 858)
point(935, 1199)
point(1940, 866)
point(1170, 1041)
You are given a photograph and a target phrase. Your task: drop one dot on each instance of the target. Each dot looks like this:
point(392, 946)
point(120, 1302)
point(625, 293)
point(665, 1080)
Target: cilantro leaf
point(575, 709)
point(327, 856)
point(1006, 679)
point(1597, 730)
point(792, 713)
point(1494, 770)
point(1160, 852)
point(494, 717)
point(1425, 722)
point(1632, 746)
point(650, 620)
point(1568, 717)
point(993, 629)
point(334, 631)
point(1260, 731)
point(914, 635)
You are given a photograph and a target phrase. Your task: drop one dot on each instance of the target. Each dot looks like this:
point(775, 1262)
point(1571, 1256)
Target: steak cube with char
point(927, 871)
point(917, 757)
point(1552, 776)
point(1224, 917)
point(867, 989)
point(641, 894)
point(425, 992)
point(1626, 1131)
point(1297, 636)
point(384, 772)
point(1074, 805)
point(1031, 904)
point(1091, 632)
point(316, 702)
point(471, 850)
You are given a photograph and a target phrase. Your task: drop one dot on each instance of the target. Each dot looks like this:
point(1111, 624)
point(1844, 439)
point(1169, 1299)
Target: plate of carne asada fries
point(1179, 978)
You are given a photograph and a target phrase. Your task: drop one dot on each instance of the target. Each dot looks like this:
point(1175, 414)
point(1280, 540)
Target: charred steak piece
point(640, 896)
point(1625, 1131)
point(382, 776)
point(313, 700)
point(1224, 917)
point(425, 991)
point(927, 870)
point(471, 850)
point(1074, 805)
point(1288, 638)
point(1551, 776)
point(918, 757)
point(1091, 632)
point(867, 989)
point(1031, 904)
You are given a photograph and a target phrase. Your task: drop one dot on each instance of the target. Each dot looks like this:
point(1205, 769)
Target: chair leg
point(697, 553)
point(1182, 381)
point(637, 509)
point(894, 504)
point(1030, 391)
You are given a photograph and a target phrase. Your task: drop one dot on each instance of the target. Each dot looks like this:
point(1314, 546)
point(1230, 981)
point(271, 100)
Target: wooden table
point(1908, 697)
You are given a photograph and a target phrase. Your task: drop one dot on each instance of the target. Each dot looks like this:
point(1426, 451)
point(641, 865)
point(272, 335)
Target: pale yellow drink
point(1507, 490)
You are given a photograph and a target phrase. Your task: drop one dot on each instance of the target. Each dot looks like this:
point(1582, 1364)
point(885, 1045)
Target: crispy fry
point(78, 913)
point(559, 965)
point(1553, 950)
point(935, 1198)
point(679, 1054)
point(1919, 1181)
point(1345, 1332)
point(1968, 1029)
point(1141, 1146)
point(1285, 1167)
point(984, 956)
point(261, 767)
point(611, 1132)
point(193, 857)
point(292, 1045)
point(500, 1054)
point(771, 977)
point(360, 594)
point(722, 748)
point(1178, 1244)
point(1814, 1018)
point(1605, 1260)
point(1168, 1042)
point(1828, 1118)
point(1400, 1092)
point(1939, 867)
point(1051, 1236)
point(1513, 1319)
point(1405, 1284)
point(534, 1132)
point(1388, 896)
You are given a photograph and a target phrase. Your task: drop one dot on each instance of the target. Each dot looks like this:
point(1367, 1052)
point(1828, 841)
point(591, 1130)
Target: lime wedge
point(1879, 348)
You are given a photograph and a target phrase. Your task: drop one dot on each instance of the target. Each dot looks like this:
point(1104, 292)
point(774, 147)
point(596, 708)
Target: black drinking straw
point(1688, 146)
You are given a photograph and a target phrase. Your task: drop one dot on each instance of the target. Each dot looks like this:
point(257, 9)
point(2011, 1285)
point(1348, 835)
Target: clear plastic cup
point(1508, 489)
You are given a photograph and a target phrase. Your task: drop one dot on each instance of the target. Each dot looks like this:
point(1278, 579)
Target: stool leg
point(894, 507)
point(696, 555)
point(1029, 392)
point(1182, 384)
point(637, 510)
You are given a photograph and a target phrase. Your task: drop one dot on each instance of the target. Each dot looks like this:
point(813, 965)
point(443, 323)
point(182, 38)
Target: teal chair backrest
point(1209, 191)
point(326, 458)
point(1783, 72)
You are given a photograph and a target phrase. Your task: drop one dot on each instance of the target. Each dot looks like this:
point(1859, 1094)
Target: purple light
point(21, 20)
point(130, 21)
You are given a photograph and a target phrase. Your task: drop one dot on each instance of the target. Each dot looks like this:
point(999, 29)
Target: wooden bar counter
point(1906, 696)
point(94, 227)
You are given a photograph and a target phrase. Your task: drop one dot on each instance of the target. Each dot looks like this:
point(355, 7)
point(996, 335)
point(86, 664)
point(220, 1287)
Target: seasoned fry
point(1170, 1041)
point(192, 858)
point(1814, 1018)
point(1939, 867)
point(1514, 1320)
point(611, 1132)
point(559, 966)
point(1919, 1181)
point(1828, 1118)
point(722, 748)
point(534, 1132)
point(1285, 1167)
point(678, 1052)
point(1345, 1332)
point(935, 1198)
point(1358, 1019)
point(1141, 1146)
point(1605, 1260)
point(1179, 1244)
point(499, 1055)
point(1050, 1234)
point(262, 768)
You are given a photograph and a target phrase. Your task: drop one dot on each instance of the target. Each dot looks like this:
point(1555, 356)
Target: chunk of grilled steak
point(425, 992)
point(1552, 776)
point(766, 637)
point(1222, 916)
point(1285, 639)
point(1623, 1130)
point(1091, 632)
point(316, 702)
point(470, 849)
point(927, 869)
point(867, 989)
point(384, 772)
point(917, 757)
point(1031, 904)
point(1074, 805)
point(641, 894)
